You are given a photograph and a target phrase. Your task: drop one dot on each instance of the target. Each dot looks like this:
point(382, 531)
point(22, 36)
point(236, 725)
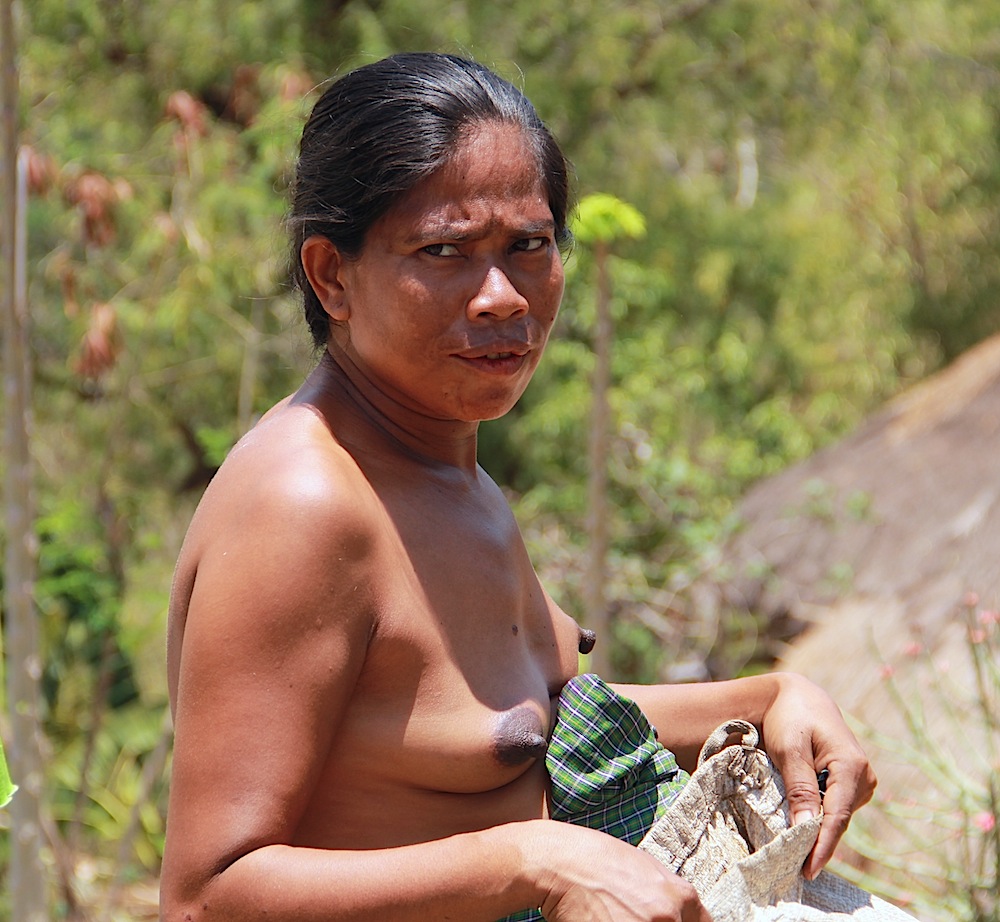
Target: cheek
point(551, 298)
point(423, 304)
point(397, 313)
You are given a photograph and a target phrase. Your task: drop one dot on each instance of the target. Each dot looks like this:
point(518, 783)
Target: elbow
point(200, 909)
point(177, 908)
point(180, 902)
point(198, 896)
point(173, 910)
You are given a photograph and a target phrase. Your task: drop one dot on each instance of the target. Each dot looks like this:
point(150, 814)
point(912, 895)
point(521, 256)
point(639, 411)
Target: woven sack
point(728, 833)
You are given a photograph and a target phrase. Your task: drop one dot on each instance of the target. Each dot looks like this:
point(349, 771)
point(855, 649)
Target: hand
point(598, 878)
point(804, 733)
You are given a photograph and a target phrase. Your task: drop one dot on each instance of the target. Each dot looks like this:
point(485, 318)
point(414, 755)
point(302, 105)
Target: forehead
point(492, 175)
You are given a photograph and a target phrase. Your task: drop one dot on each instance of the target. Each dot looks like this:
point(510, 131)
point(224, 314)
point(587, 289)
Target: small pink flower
point(970, 599)
point(985, 821)
point(977, 635)
point(988, 616)
point(886, 671)
point(913, 648)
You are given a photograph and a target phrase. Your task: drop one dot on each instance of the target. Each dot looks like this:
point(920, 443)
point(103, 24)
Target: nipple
point(519, 737)
point(587, 641)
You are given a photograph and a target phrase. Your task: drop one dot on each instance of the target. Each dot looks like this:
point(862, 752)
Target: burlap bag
point(728, 832)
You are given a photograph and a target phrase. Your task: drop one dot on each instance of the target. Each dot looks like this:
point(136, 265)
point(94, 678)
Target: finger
point(849, 787)
point(703, 915)
point(801, 790)
point(692, 908)
point(836, 817)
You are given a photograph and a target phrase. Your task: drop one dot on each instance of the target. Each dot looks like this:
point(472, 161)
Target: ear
point(323, 265)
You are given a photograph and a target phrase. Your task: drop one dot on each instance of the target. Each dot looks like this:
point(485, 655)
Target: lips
point(498, 355)
point(497, 350)
point(505, 359)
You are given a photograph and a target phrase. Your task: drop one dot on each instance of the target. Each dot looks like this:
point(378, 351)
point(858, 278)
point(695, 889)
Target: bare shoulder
point(288, 520)
point(290, 485)
point(290, 464)
point(272, 614)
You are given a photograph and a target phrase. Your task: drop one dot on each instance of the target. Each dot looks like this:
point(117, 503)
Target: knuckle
point(687, 898)
point(798, 790)
point(872, 779)
point(856, 773)
point(837, 819)
point(686, 891)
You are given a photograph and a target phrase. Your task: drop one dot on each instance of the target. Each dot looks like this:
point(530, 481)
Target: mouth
point(510, 349)
point(498, 360)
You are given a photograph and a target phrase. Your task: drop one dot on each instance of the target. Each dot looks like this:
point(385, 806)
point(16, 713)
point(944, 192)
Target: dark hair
point(380, 129)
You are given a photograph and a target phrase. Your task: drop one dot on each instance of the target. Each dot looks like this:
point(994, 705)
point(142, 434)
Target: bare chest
point(455, 702)
point(467, 657)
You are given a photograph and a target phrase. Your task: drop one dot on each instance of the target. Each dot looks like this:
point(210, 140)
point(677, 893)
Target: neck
point(359, 411)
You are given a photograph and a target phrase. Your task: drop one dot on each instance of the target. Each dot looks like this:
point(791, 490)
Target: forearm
point(473, 876)
point(685, 715)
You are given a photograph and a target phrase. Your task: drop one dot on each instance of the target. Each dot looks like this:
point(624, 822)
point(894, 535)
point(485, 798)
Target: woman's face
point(450, 303)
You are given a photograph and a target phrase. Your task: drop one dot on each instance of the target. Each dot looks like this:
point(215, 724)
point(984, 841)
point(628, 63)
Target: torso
point(466, 659)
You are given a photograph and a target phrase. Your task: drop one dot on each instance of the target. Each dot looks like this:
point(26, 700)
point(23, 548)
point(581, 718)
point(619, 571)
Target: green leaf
point(604, 218)
point(7, 787)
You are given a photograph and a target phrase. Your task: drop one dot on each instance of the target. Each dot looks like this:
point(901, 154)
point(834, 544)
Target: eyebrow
point(459, 232)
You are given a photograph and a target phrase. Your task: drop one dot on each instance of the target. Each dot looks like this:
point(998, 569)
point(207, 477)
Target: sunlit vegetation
point(819, 182)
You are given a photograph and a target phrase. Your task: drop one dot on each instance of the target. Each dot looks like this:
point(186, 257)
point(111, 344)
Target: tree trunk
point(598, 618)
point(26, 877)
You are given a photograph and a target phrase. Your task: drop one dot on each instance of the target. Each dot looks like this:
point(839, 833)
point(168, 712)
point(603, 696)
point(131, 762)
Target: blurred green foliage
point(819, 183)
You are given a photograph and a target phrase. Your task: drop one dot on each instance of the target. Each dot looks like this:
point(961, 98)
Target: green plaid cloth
point(607, 770)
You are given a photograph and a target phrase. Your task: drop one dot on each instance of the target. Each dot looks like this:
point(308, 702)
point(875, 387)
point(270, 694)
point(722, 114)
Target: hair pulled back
point(378, 130)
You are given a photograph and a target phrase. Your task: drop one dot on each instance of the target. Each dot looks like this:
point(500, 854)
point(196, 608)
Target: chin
point(469, 415)
point(497, 410)
point(486, 417)
point(487, 409)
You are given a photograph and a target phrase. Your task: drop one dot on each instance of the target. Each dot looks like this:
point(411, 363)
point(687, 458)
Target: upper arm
point(277, 623)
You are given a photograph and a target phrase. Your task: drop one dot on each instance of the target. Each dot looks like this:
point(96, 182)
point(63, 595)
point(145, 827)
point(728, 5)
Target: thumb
point(801, 790)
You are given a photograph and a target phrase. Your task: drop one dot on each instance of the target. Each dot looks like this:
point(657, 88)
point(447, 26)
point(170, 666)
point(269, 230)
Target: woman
point(368, 680)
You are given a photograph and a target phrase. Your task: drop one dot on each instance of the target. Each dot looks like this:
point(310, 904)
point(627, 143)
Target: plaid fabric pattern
point(607, 770)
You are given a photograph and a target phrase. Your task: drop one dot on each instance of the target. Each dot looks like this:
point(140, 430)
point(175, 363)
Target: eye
point(531, 244)
point(441, 249)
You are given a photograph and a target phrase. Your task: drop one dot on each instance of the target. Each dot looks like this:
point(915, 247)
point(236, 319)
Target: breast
point(439, 773)
point(519, 736)
point(447, 741)
point(473, 748)
point(372, 812)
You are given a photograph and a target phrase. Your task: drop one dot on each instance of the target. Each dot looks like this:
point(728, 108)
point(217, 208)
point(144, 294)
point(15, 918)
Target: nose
point(497, 297)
